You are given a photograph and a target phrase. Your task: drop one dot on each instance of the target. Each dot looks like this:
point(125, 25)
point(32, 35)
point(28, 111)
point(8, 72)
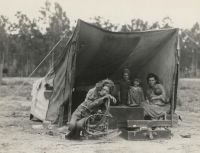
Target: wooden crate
point(148, 123)
point(120, 115)
point(145, 134)
point(175, 119)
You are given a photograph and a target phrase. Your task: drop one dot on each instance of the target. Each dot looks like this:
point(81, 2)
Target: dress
point(89, 106)
point(135, 96)
point(156, 108)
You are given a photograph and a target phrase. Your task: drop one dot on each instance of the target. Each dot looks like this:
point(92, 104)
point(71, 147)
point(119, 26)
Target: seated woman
point(156, 104)
point(95, 100)
point(136, 95)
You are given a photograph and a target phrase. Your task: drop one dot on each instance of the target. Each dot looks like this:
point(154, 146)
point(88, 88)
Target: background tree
point(21, 36)
point(103, 23)
point(24, 43)
point(190, 50)
point(31, 39)
point(3, 43)
point(135, 25)
point(57, 24)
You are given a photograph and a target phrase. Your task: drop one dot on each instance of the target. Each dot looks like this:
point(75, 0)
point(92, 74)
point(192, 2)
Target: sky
point(184, 13)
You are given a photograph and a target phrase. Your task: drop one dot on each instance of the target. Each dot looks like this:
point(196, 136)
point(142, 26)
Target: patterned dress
point(135, 96)
point(158, 107)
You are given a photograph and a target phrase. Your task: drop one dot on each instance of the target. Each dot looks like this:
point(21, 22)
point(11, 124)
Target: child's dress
point(135, 96)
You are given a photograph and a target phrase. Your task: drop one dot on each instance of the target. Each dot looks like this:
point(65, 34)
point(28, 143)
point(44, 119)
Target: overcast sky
point(184, 13)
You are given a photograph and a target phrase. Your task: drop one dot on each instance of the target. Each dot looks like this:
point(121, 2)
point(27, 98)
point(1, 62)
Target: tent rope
point(51, 51)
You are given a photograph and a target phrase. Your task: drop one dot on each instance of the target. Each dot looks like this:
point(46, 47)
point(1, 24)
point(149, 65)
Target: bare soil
point(20, 135)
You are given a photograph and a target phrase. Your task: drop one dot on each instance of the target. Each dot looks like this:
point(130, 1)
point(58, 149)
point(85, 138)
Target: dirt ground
point(20, 135)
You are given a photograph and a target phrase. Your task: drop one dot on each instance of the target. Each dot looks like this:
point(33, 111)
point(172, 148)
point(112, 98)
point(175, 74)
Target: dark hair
point(152, 75)
point(137, 79)
point(125, 70)
point(107, 82)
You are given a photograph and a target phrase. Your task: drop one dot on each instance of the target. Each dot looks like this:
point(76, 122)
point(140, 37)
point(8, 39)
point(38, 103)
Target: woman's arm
point(90, 94)
point(119, 97)
point(162, 96)
point(100, 101)
point(142, 94)
point(95, 103)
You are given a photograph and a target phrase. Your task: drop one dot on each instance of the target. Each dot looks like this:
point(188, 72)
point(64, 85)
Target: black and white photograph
point(99, 76)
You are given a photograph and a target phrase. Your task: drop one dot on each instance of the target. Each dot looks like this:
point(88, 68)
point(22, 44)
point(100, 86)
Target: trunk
point(1, 67)
point(1, 71)
point(194, 64)
point(27, 67)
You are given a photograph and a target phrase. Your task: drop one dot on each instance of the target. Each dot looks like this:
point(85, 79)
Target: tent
point(93, 54)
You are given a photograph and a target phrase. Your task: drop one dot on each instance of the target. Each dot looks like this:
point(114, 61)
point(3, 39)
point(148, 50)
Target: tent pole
point(69, 107)
point(70, 101)
point(174, 94)
point(74, 50)
point(175, 80)
point(72, 80)
point(61, 116)
point(172, 104)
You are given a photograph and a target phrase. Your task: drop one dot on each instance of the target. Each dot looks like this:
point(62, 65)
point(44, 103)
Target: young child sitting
point(136, 95)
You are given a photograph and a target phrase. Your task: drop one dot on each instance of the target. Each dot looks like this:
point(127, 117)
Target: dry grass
point(16, 86)
point(18, 81)
point(189, 95)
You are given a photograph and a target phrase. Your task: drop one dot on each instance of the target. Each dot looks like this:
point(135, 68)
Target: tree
point(29, 38)
point(166, 23)
point(57, 24)
point(103, 23)
point(3, 43)
point(22, 47)
point(190, 51)
point(135, 25)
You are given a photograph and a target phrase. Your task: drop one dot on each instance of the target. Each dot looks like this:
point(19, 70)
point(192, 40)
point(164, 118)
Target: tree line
point(25, 42)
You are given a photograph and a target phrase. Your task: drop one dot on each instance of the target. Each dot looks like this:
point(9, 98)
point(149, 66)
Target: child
point(124, 87)
point(136, 95)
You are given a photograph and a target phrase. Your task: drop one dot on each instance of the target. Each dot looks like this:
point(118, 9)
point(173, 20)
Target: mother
point(95, 100)
point(156, 105)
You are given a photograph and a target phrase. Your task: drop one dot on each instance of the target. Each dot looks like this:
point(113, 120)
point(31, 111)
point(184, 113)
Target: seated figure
point(94, 102)
point(156, 105)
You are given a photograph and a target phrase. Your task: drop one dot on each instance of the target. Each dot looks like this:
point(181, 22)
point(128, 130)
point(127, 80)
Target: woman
point(156, 104)
point(95, 100)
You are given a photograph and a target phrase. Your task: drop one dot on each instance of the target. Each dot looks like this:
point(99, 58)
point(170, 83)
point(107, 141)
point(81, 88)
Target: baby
point(136, 95)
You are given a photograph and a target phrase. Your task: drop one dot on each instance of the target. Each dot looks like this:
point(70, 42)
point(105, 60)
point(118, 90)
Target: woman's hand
point(155, 97)
point(113, 99)
point(147, 101)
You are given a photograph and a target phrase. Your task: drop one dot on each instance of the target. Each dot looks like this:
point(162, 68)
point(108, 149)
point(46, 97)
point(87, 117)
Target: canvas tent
point(93, 54)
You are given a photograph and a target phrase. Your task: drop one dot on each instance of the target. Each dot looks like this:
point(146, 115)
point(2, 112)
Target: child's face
point(136, 83)
point(126, 76)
